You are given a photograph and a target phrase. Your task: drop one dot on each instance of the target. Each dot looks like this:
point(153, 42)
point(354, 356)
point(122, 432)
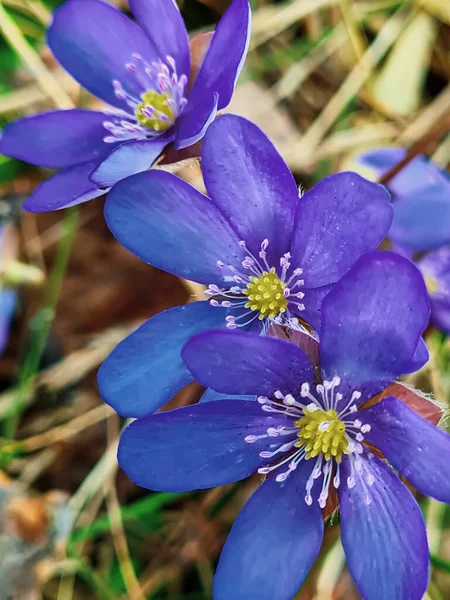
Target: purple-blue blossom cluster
point(142, 71)
point(305, 326)
point(421, 227)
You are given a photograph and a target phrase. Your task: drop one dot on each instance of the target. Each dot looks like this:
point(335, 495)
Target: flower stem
point(42, 323)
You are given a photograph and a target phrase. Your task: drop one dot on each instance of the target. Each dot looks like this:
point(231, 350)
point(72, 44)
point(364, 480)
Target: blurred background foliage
point(325, 79)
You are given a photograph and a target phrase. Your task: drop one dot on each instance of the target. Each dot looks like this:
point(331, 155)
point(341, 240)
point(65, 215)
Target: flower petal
point(272, 544)
point(417, 401)
point(313, 305)
point(250, 183)
point(194, 121)
point(241, 363)
point(422, 220)
point(94, 42)
point(8, 300)
point(372, 321)
point(69, 187)
point(212, 396)
point(198, 46)
point(435, 267)
point(420, 358)
point(385, 541)
point(414, 447)
point(196, 447)
point(225, 56)
point(419, 173)
point(440, 314)
point(308, 344)
point(128, 159)
point(337, 221)
point(58, 138)
point(169, 224)
point(145, 370)
point(162, 22)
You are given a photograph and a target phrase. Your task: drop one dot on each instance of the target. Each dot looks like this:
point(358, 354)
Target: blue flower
point(307, 433)
point(267, 255)
point(143, 72)
point(435, 267)
point(7, 299)
point(421, 199)
point(421, 194)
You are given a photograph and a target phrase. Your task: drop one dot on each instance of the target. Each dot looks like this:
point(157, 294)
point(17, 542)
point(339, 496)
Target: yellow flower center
point(266, 295)
point(431, 283)
point(321, 432)
point(158, 102)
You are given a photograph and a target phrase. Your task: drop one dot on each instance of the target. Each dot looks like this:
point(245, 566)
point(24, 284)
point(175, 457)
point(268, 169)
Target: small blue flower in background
point(143, 72)
point(8, 299)
point(421, 201)
point(267, 255)
point(307, 434)
point(435, 267)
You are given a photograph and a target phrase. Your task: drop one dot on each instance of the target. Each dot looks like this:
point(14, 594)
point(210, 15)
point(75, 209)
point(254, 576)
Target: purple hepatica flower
point(307, 435)
point(267, 255)
point(142, 71)
point(421, 221)
point(435, 267)
point(7, 302)
point(421, 200)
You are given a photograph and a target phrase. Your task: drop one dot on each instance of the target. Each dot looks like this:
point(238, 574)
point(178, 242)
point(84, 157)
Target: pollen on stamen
point(266, 295)
point(160, 117)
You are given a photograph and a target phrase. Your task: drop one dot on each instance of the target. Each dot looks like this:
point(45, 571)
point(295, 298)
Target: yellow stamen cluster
point(158, 102)
point(321, 432)
point(431, 283)
point(266, 295)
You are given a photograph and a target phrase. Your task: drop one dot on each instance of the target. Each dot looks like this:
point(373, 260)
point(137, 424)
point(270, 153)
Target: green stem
point(95, 582)
point(42, 323)
point(440, 563)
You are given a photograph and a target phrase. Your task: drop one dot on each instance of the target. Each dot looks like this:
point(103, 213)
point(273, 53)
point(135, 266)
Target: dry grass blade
point(44, 78)
point(352, 84)
point(299, 71)
point(272, 20)
point(120, 541)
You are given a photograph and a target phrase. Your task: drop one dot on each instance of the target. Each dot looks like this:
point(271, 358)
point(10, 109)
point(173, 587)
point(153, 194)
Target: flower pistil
point(268, 292)
point(159, 105)
point(321, 431)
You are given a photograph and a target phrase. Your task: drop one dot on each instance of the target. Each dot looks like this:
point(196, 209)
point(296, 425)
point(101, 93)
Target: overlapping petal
point(128, 159)
point(68, 187)
point(372, 321)
point(169, 224)
point(250, 183)
point(196, 447)
point(272, 544)
point(241, 363)
point(162, 22)
point(383, 534)
point(338, 220)
point(225, 56)
point(194, 121)
point(145, 370)
point(211, 395)
point(417, 449)
point(58, 138)
point(418, 360)
point(94, 42)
